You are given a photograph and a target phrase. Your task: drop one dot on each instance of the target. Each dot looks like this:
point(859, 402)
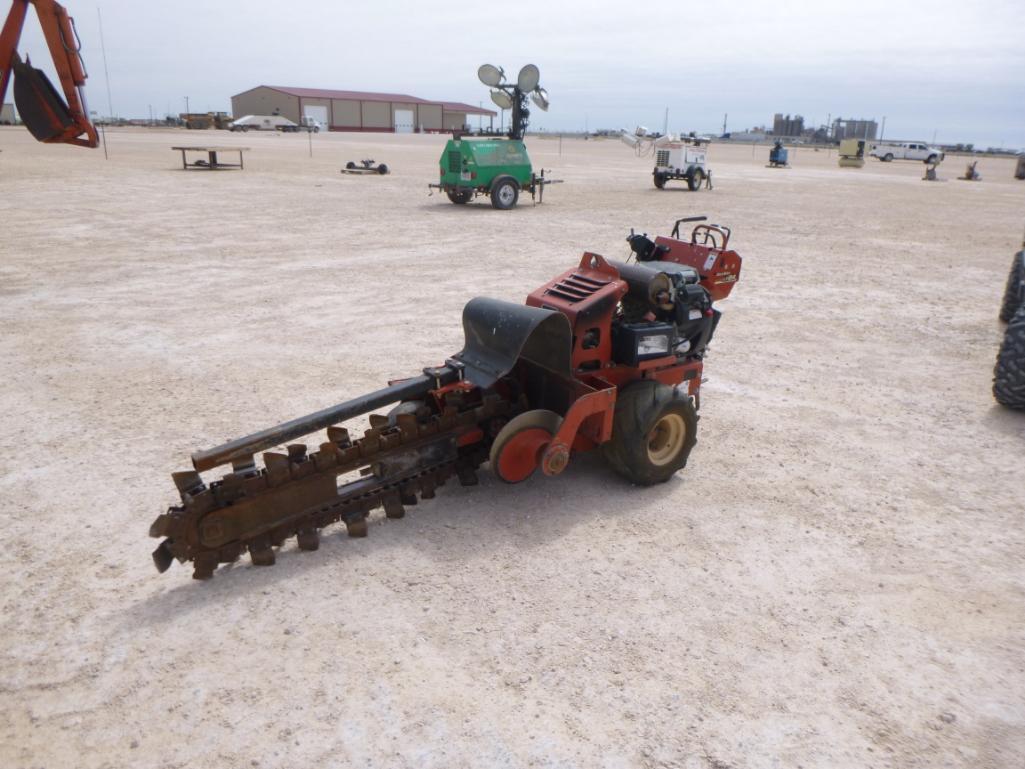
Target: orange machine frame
point(59, 30)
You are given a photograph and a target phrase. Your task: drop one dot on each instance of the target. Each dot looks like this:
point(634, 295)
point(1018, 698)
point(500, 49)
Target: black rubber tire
point(888, 157)
point(694, 179)
point(1009, 373)
point(350, 165)
point(930, 160)
point(660, 180)
point(460, 197)
point(382, 169)
point(639, 408)
point(1014, 292)
point(501, 199)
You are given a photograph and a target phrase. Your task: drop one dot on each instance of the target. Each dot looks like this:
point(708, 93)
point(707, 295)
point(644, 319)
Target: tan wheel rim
point(666, 439)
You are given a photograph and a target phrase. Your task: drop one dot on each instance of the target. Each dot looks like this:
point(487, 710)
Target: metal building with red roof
point(357, 110)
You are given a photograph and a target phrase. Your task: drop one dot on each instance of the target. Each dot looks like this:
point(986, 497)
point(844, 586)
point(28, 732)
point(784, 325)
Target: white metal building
point(356, 110)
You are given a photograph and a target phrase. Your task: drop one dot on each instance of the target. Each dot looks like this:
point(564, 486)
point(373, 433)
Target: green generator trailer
point(497, 166)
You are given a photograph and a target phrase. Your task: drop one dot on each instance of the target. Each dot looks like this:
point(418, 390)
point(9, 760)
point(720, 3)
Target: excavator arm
point(47, 116)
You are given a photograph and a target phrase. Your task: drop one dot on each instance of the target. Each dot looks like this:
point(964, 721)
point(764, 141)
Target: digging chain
point(297, 494)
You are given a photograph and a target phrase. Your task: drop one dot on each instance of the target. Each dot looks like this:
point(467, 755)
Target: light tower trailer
point(683, 159)
point(497, 166)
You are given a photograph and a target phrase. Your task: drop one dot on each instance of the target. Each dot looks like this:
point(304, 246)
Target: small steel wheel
point(504, 193)
point(517, 449)
point(654, 429)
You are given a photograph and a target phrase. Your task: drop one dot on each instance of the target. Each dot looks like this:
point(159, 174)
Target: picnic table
point(212, 163)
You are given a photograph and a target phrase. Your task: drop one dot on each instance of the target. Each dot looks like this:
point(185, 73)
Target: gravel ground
point(836, 580)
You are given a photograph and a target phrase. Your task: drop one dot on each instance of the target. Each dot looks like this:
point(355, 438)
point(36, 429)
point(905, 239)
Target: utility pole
point(724, 116)
point(186, 105)
point(665, 123)
point(882, 131)
point(106, 74)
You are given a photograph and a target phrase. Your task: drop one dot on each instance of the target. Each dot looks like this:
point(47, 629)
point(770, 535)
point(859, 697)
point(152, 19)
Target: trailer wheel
point(460, 197)
point(350, 165)
point(660, 180)
point(887, 157)
point(504, 193)
point(1009, 373)
point(694, 179)
point(1014, 293)
point(653, 431)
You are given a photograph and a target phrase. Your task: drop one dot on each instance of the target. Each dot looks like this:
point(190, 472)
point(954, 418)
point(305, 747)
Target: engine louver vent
point(455, 161)
point(662, 158)
point(576, 288)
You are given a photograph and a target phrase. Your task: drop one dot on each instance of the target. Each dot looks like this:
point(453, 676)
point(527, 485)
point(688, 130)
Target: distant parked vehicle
point(204, 120)
point(887, 151)
point(273, 123)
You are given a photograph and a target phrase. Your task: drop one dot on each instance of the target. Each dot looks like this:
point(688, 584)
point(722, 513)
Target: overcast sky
point(955, 70)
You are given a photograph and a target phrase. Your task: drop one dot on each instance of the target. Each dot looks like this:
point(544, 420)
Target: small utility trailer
point(364, 167)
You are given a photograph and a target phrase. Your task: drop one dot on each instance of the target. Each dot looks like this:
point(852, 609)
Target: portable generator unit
point(681, 159)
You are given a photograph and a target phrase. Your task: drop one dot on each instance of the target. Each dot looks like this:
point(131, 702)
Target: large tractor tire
point(694, 179)
point(653, 431)
point(1014, 293)
point(505, 191)
point(1009, 374)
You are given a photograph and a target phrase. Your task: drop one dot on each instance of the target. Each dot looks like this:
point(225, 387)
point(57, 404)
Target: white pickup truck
point(887, 151)
point(273, 123)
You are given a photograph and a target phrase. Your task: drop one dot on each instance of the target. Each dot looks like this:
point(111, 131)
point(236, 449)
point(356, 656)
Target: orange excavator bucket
point(48, 116)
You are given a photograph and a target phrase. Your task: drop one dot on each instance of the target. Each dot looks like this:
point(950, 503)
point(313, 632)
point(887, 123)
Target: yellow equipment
point(852, 153)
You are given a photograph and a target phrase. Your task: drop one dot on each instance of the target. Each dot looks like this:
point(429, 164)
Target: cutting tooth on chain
point(203, 566)
point(393, 507)
point(188, 482)
point(162, 557)
point(308, 539)
point(357, 527)
point(261, 553)
point(467, 475)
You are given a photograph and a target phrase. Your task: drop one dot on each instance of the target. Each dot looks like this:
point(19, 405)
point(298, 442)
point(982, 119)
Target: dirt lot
point(836, 580)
